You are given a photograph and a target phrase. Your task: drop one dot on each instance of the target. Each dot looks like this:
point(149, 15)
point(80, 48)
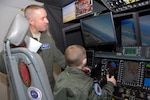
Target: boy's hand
point(111, 79)
point(86, 70)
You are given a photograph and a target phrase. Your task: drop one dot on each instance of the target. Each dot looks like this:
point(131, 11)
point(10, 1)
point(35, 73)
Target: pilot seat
point(25, 69)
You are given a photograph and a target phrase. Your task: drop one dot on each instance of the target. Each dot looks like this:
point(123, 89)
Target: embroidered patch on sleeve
point(97, 89)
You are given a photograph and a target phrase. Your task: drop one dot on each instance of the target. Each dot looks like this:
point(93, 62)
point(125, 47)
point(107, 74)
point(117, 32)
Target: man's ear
point(31, 21)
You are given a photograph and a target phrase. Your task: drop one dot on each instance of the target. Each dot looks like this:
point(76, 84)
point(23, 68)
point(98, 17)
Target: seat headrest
point(17, 30)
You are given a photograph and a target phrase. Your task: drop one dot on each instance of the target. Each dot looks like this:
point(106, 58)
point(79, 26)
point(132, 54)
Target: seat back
point(25, 69)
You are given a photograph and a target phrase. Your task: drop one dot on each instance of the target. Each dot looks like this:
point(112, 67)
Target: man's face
point(40, 21)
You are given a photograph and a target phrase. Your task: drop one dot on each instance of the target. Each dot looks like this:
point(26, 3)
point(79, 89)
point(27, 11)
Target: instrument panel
point(131, 71)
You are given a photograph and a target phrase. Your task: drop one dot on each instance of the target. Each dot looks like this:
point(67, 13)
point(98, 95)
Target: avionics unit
point(109, 66)
point(124, 5)
point(90, 58)
point(143, 51)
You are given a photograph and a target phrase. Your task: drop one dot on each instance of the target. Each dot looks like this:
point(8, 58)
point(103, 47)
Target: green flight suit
point(50, 55)
point(74, 84)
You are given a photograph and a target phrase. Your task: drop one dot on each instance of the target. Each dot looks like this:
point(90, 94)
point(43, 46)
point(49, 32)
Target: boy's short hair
point(74, 55)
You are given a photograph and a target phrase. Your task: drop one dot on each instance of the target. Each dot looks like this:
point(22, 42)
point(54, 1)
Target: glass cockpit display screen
point(147, 75)
point(112, 66)
point(128, 36)
point(130, 72)
point(95, 32)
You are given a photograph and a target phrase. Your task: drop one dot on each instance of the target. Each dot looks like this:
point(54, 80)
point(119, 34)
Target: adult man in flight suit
point(37, 17)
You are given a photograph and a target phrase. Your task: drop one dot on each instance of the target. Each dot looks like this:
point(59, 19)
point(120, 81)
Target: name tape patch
point(45, 46)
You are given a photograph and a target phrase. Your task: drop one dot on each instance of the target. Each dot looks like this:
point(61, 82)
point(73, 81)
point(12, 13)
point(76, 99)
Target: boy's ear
point(84, 61)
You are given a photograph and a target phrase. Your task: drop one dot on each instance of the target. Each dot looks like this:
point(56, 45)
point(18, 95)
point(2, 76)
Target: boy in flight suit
point(74, 84)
